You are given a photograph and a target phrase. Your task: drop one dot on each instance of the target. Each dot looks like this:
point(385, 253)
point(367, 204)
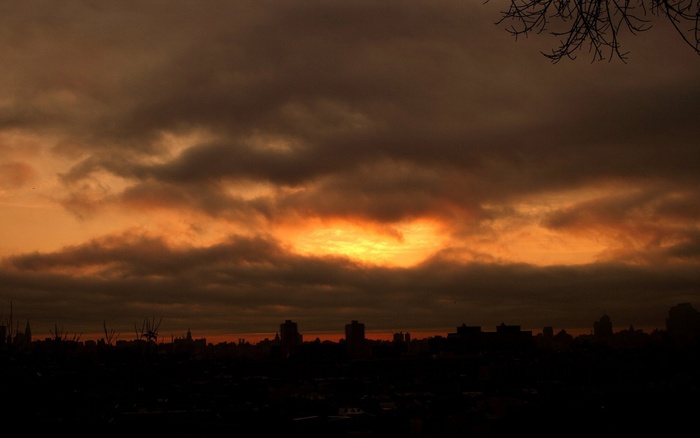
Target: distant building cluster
point(15, 338)
point(682, 331)
point(470, 382)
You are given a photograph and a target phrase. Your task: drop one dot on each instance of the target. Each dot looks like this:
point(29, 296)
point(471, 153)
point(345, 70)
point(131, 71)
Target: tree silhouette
point(110, 336)
point(598, 24)
point(61, 335)
point(148, 330)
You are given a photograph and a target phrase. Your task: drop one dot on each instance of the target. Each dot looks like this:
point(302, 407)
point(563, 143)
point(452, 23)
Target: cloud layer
point(231, 165)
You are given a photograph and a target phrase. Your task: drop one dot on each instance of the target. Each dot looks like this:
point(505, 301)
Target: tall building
point(603, 329)
point(683, 325)
point(355, 339)
point(290, 338)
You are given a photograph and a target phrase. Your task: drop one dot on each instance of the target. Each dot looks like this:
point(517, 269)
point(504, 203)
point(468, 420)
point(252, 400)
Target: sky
point(225, 166)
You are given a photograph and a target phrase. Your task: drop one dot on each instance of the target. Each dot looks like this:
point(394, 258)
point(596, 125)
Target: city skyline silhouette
point(489, 384)
point(149, 330)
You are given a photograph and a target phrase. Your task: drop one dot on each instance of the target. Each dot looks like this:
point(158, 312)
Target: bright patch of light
point(403, 245)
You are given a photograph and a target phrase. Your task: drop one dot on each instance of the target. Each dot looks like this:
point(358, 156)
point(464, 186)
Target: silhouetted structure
point(402, 338)
point(471, 383)
point(603, 329)
point(562, 340)
point(683, 325)
point(355, 341)
point(471, 339)
point(290, 338)
point(190, 346)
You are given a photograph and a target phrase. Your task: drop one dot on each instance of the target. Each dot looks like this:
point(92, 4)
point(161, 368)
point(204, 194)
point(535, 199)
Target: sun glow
point(404, 244)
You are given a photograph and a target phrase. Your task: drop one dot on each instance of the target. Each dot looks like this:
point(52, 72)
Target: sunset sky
point(228, 165)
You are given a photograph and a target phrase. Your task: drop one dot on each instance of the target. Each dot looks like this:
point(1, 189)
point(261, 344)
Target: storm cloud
point(231, 165)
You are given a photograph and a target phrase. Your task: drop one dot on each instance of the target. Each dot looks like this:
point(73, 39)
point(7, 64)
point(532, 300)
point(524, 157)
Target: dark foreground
point(535, 393)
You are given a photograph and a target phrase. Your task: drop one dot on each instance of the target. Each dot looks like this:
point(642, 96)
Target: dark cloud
point(372, 112)
point(216, 162)
point(252, 284)
point(647, 224)
point(686, 248)
point(403, 80)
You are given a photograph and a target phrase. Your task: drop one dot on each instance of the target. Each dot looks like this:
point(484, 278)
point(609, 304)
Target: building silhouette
point(683, 325)
point(355, 341)
point(290, 338)
point(603, 328)
point(470, 339)
point(401, 337)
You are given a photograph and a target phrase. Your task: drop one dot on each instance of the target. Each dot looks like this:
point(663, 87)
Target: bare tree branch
point(598, 24)
point(110, 336)
point(149, 329)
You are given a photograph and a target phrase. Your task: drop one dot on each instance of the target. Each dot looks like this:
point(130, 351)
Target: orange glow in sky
point(404, 245)
point(194, 163)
